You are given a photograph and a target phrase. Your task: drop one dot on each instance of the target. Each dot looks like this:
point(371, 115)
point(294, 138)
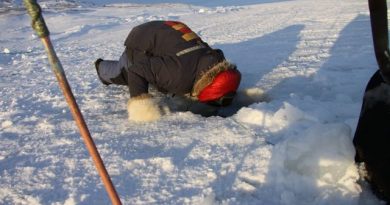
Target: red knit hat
point(225, 82)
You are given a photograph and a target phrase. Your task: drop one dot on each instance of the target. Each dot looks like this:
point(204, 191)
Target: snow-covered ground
point(311, 58)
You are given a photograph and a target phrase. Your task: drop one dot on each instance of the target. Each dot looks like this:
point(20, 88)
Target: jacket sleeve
point(139, 71)
point(163, 72)
point(144, 71)
point(137, 83)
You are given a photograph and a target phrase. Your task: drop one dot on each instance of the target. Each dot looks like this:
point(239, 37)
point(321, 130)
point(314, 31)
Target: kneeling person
point(172, 58)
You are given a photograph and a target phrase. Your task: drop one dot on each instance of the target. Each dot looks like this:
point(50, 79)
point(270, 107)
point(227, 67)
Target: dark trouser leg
point(115, 71)
point(372, 136)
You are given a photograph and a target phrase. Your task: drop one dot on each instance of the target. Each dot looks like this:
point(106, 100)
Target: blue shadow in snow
point(256, 57)
point(345, 72)
point(352, 60)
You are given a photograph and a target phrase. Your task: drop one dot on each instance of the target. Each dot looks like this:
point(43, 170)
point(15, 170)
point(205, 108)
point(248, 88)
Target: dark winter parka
point(168, 55)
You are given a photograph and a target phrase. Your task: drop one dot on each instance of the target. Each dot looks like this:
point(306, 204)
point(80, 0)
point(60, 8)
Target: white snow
point(311, 59)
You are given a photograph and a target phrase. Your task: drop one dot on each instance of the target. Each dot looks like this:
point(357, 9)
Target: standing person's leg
point(113, 72)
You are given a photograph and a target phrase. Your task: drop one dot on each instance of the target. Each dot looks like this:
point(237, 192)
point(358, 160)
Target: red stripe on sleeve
point(171, 23)
point(185, 30)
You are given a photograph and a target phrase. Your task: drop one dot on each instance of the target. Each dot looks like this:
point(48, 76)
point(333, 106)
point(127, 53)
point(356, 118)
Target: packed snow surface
point(310, 59)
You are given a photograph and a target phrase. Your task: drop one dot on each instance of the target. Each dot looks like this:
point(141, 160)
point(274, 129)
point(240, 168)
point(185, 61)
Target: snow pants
point(115, 72)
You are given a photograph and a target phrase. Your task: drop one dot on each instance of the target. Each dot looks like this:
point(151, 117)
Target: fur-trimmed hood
point(208, 76)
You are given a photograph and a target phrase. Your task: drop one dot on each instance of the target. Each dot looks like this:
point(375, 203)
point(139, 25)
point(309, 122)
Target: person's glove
point(143, 108)
point(248, 96)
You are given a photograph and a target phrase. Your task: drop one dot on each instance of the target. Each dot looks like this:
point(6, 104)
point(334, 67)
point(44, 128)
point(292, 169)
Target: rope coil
point(37, 21)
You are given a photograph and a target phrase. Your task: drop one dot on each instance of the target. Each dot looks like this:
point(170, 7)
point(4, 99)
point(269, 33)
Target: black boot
point(97, 62)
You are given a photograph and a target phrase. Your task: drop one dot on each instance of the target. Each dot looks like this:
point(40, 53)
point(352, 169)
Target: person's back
point(161, 38)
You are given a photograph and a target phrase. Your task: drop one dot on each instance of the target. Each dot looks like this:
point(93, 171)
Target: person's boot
point(97, 62)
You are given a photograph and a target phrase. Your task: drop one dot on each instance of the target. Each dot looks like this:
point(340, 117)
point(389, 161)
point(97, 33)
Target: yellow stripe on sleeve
point(190, 36)
point(178, 26)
